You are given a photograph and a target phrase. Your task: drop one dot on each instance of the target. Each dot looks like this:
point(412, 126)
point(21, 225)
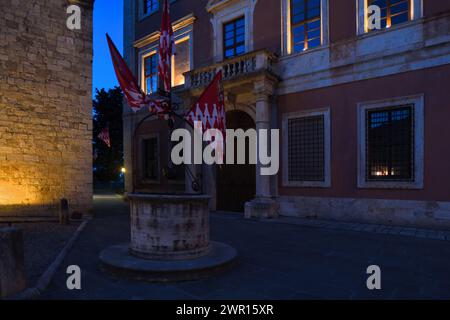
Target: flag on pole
point(166, 49)
point(135, 96)
point(127, 81)
point(210, 107)
point(104, 136)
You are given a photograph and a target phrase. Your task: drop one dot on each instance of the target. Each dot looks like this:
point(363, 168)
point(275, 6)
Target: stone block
point(12, 269)
point(261, 209)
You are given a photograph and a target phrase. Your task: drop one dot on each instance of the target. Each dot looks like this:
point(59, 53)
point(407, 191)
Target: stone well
point(169, 240)
point(169, 227)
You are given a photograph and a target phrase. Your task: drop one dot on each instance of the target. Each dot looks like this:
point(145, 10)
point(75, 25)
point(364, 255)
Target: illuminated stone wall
point(45, 107)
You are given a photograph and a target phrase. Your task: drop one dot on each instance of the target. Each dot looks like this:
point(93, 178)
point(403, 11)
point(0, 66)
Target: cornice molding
point(216, 5)
point(154, 36)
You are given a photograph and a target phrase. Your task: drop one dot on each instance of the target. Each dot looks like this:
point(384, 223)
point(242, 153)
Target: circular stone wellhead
point(169, 227)
point(169, 240)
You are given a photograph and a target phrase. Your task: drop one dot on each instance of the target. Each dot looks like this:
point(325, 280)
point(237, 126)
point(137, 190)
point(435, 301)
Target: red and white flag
point(104, 136)
point(210, 107)
point(135, 96)
point(166, 49)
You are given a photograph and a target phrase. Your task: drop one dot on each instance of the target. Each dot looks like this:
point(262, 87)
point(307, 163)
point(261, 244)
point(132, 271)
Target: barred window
point(150, 159)
point(151, 73)
point(305, 24)
point(234, 38)
point(390, 144)
point(306, 149)
point(393, 12)
point(150, 6)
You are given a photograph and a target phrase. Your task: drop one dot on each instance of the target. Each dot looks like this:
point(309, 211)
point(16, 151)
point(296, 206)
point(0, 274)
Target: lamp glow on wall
point(15, 194)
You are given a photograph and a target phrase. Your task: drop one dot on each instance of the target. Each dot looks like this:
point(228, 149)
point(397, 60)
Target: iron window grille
point(306, 145)
point(151, 73)
point(305, 24)
point(393, 12)
point(234, 38)
point(390, 144)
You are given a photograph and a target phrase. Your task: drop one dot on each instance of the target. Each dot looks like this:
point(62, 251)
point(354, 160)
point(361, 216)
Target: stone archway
point(236, 184)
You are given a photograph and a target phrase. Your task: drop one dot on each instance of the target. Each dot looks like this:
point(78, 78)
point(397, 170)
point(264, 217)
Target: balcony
point(244, 68)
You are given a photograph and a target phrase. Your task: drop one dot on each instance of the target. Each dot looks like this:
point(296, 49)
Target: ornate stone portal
point(169, 240)
point(249, 79)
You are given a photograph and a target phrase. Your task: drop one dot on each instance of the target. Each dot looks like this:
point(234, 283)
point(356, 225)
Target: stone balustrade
point(244, 65)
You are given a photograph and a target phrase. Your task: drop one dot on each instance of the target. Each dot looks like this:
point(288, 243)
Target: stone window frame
point(184, 34)
point(417, 101)
point(141, 155)
point(361, 15)
point(286, 27)
point(226, 11)
point(326, 113)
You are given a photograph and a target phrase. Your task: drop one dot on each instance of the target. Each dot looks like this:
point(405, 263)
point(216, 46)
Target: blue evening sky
point(108, 17)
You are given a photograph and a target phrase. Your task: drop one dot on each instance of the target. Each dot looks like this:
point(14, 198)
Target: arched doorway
point(236, 183)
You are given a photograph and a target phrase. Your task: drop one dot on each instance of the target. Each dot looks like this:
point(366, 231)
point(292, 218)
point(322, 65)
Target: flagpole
point(166, 52)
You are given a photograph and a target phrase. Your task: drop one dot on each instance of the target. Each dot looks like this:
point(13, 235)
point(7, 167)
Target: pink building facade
point(363, 114)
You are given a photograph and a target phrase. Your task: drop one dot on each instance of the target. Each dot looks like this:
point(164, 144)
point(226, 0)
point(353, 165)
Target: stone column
point(128, 127)
point(263, 206)
point(12, 270)
point(263, 92)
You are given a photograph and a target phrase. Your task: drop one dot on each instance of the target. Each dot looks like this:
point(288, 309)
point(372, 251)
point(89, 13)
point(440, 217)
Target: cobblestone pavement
point(42, 243)
point(282, 259)
point(375, 228)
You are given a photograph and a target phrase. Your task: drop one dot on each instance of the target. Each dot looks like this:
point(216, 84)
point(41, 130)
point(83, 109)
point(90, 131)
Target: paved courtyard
point(289, 259)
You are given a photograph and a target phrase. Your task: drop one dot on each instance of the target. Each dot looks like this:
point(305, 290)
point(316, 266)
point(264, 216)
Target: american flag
point(104, 136)
point(166, 48)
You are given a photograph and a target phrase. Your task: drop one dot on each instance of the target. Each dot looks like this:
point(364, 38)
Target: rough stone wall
point(45, 108)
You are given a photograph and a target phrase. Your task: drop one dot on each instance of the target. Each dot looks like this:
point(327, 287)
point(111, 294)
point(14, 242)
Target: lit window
point(150, 6)
point(305, 24)
point(234, 38)
point(390, 144)
point(393, 12)
point(181, 62)
point(151, 73)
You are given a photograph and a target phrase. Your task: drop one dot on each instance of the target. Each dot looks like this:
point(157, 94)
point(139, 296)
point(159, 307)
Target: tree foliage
point(107, 112)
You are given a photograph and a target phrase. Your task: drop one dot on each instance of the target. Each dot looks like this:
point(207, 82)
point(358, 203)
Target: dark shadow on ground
point(276, 261)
